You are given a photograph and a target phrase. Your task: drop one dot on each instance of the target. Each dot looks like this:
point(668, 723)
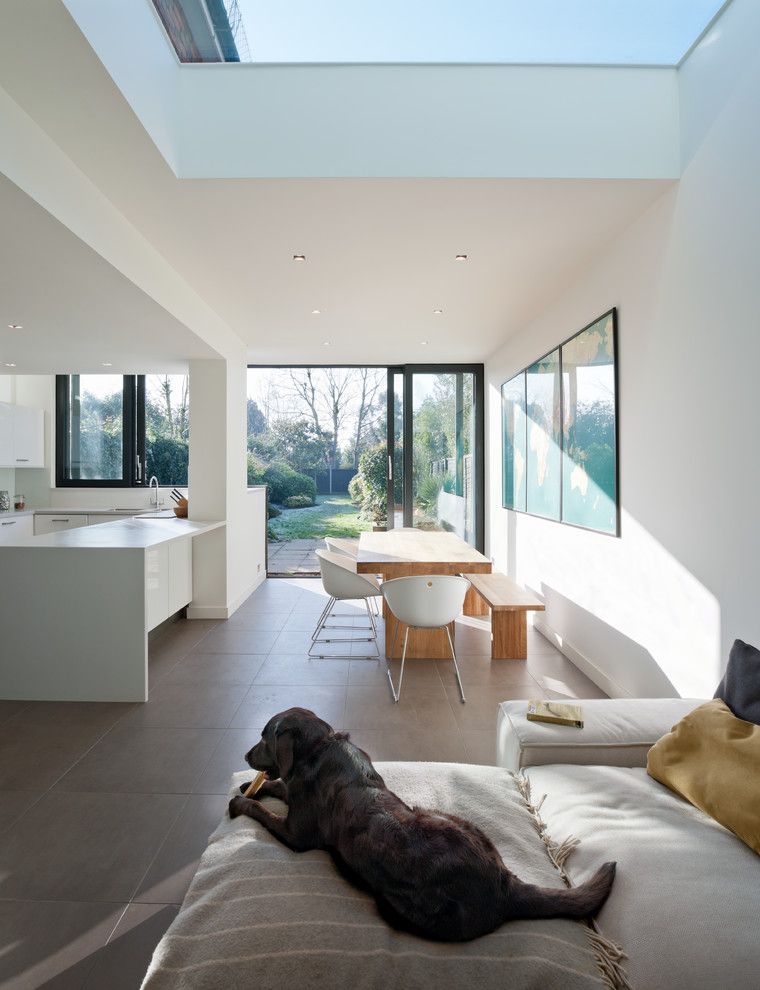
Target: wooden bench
point(509, 623)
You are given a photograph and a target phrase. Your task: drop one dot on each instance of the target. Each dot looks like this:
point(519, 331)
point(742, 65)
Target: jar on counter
point(19, 501)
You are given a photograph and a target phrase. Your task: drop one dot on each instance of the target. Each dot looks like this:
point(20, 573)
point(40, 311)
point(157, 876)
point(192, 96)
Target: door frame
point(409, 371)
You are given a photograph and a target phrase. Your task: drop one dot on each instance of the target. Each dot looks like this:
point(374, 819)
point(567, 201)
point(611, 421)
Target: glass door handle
point(390, 467)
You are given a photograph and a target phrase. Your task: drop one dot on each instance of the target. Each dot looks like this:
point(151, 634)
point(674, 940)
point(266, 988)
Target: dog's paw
point(237, 807)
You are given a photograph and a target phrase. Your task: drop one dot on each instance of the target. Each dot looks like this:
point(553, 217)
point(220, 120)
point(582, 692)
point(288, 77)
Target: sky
point(532, 31)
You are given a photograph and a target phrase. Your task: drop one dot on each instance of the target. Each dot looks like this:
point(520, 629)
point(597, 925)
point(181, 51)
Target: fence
point(334, 481)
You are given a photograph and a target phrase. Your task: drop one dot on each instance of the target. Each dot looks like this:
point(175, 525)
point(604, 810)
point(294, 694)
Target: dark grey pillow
point(740, 687)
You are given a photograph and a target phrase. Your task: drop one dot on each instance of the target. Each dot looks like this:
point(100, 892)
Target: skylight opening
point(532, 32)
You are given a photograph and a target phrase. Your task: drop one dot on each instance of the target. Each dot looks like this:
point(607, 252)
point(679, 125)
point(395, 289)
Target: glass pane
point(514, 442)
point(396, 516)
point(96, 422)
point(167, 428)
point(544, 459)
point(443, 457)
point(588, 388)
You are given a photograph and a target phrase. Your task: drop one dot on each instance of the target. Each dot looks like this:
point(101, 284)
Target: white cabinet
point(156, 585)
point(168, 580)
point(16, 528)
point(44, 523)
point(180, 574)
point(6, 435)
point(22, 436)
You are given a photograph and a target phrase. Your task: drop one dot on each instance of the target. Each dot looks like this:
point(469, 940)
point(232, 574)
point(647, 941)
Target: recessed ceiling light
point(106, 364)
point(15, 326)
point(461, 257)
point(10, 364)
point(299, 257)
point(424, 343)
point(325, 343)
point(437, 312)
point(316, 312)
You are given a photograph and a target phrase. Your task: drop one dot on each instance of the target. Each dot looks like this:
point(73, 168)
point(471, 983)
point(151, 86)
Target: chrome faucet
point(153, 502)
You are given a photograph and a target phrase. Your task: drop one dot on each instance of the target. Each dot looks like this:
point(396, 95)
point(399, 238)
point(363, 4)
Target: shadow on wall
point(629, 670)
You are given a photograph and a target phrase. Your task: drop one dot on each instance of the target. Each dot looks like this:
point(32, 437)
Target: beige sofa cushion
point(616, 732)
point(686, 895)
point(712, 758)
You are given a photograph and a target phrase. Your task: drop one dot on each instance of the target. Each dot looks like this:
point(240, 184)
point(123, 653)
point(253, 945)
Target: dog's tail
point(523, 900)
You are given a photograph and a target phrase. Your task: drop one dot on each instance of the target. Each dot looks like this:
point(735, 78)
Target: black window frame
point(133, 436)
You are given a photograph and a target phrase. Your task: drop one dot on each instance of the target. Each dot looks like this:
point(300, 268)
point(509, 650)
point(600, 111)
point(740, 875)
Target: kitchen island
point(77, 605)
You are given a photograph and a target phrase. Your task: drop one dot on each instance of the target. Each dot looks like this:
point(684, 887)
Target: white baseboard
point(223, 611)
point(582, 662)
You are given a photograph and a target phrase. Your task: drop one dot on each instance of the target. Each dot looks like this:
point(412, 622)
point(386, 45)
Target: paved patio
point(294, 556)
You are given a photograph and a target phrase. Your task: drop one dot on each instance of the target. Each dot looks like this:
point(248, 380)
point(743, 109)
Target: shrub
point(427, 493)
point(283, 482)
point(369, 486)
point(272, 511)
point(256, 469)
point(298, 502)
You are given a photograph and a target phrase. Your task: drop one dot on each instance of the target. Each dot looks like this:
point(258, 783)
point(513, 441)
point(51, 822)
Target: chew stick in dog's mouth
point(256, 783)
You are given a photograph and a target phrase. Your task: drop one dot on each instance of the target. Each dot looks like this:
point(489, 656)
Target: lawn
point(333, 515)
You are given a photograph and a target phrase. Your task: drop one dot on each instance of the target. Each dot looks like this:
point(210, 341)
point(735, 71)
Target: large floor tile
point(10, 708)
point(96, 717)
point(52, 944)
point(244, 620)
point(170, 873)
point(144, 759)
point(216, 668)
point(405, 743)
point(480, 710)
point(480, 745)
point(123, 962)
point(263, 701)
point(194, 704)
point(13, 804)
point(227, 758)
point(300, 669)
point(35, 756)
point(224, 640)
point(84, 847)
point(374, 708)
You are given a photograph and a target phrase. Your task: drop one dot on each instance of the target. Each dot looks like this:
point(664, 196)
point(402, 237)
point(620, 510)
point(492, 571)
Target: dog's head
point(286, 739)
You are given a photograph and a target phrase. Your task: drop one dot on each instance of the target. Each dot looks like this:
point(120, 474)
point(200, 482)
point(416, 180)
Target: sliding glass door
point(435, 449)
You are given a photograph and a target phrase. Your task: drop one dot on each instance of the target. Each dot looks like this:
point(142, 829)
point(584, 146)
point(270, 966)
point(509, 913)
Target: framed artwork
point(542, 404)
point(514, 433)
point(589, 434)
point(559, 432)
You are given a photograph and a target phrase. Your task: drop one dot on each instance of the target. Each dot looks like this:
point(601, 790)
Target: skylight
point(560, 32)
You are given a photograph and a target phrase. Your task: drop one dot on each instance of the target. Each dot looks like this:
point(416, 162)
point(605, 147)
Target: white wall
point(655, 611)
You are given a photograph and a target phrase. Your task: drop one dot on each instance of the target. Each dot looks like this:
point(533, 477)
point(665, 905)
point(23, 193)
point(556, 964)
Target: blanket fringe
point(608, 954)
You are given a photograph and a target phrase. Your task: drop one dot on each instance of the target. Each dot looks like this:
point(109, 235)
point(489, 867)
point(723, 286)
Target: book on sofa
point(556, 713)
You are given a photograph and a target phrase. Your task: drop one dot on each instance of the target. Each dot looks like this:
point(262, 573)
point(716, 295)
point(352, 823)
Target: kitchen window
point(117, 431)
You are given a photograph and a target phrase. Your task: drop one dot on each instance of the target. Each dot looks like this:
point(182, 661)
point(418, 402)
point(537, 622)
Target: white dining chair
point(429, 601)
point(343, 584)
point(338, 544)
point(349, 548)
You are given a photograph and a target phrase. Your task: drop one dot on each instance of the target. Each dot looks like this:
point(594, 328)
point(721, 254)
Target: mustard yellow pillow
point(712, 758)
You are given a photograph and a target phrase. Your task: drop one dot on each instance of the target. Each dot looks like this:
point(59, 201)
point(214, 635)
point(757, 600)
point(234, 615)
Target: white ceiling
point(76, 310)
point(380, 252)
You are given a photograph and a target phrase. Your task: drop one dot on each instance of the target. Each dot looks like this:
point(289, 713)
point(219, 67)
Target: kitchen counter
point(10, 513)
point(137, 533)
point(78, 604)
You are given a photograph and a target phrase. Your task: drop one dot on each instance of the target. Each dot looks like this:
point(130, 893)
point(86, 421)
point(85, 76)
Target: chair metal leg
point(397, 694)
point(317, 641)
point(456, 665)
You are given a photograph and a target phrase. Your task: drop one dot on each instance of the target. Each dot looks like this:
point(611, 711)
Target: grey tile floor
point(106, 808)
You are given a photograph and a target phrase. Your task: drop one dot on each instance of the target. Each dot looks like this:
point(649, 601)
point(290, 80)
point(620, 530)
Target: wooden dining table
point(404, 552)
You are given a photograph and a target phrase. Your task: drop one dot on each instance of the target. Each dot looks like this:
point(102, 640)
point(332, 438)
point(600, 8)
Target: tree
point(370, 380)
point(256, 420)
point(300, 444)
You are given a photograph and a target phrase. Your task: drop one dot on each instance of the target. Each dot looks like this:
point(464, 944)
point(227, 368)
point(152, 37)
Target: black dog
point(433, 874)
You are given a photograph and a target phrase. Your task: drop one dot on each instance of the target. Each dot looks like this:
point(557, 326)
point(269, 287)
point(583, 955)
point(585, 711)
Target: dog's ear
point(285, 741)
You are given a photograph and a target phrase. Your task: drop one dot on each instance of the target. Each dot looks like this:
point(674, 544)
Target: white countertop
point(128, 534)
point(10, 513)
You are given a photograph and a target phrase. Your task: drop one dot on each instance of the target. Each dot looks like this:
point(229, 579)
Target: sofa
point(685, 906)
point(684, 912)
